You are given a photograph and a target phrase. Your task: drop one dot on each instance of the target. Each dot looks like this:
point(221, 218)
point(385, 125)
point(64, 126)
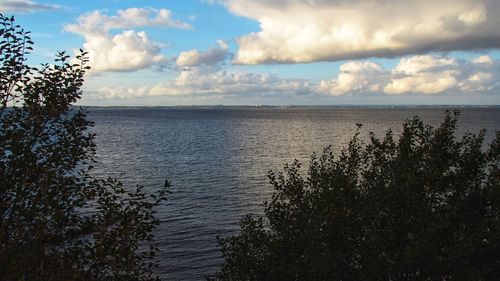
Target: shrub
point(58, 222)
point(423, 207)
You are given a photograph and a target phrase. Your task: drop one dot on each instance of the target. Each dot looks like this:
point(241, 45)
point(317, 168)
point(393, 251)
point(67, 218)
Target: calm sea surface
point(217, 160)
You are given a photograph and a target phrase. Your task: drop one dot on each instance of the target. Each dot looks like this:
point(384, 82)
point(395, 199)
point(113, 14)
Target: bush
point(57, 222)
point(424, 207)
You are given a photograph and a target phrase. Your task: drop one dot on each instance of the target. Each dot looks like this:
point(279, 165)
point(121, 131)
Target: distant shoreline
point(443, 106)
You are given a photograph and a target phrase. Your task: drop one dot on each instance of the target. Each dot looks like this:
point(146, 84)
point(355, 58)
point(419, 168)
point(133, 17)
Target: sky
point(273, 52)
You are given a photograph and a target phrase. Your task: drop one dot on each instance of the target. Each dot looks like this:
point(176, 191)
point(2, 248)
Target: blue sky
point(239, 52)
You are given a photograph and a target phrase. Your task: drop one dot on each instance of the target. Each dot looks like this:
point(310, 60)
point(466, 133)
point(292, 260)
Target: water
point(217, 160)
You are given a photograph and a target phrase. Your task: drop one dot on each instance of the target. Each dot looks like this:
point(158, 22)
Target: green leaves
point(423, 207)
point(58, 222)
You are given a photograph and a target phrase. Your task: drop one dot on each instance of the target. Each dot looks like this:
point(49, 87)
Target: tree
point(424, 207)
point(57, 221)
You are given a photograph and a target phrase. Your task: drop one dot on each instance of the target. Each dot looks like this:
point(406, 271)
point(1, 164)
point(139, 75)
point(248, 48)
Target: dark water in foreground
point(217, 160)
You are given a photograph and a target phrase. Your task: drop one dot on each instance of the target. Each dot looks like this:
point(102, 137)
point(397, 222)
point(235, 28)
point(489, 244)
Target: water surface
point(217, 160)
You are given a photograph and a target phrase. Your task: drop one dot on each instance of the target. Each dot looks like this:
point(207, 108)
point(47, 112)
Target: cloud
point(128, 50)
point(203, 73)
point(355, 78)
point(24, 6)
point(194, 83)
point(415, 75)
point(482, 75)
point(483, 59)
point(212, 56)
point(298, 31)
point(238, 83)
point(209, 2)
point(93, 22)
point(424, 74)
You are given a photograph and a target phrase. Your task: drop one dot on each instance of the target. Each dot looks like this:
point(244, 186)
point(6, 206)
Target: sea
point(217, 160)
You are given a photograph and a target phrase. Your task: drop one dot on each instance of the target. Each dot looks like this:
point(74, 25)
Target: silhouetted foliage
point(58, 222)
point(424, 207)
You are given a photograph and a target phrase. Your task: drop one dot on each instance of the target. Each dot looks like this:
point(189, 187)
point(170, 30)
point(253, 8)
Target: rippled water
point(217, 160)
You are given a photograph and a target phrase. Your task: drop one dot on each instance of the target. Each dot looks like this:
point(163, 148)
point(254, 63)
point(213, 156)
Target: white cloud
point(480, 81)
point(209, 2)
point(423, 74)
point(118, 92)
point(354, 78)
point(416, 75)
point(483, 76)
point(423, 83)
point(294, 31)
point(128, 50)
point(194, 83)
point(483, 59)
point(130, 18)
point(416, 64)
point(201, 74)
point(24, 6)
point(237, 83)
point(212, 56)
